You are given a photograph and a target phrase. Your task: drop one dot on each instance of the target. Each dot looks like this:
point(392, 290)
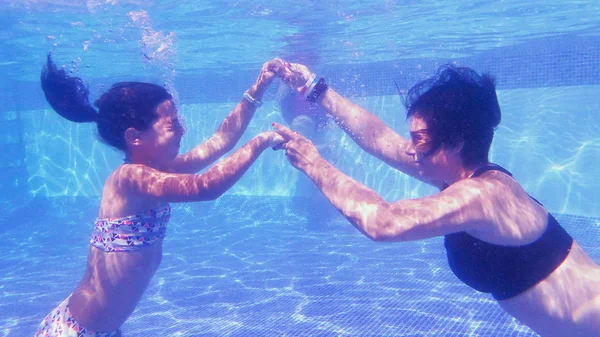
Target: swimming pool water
point(248, 266)
point(260, 262)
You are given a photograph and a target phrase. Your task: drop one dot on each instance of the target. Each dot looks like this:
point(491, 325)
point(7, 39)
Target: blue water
point(262, 261)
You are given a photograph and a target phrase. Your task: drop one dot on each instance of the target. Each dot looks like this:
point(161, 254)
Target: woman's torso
point(565, 301)
point(564, 304)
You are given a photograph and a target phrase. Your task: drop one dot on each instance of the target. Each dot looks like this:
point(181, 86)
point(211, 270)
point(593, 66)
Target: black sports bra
point(506, 271)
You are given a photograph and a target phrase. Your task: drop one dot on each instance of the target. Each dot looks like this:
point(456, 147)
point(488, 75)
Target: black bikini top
point(506, 271)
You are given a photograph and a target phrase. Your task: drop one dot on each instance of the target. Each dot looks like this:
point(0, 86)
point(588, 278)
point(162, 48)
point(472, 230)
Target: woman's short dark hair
point(458, 105)
point(124, 105)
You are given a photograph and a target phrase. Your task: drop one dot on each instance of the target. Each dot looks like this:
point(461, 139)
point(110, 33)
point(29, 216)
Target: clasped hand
point(298, 149)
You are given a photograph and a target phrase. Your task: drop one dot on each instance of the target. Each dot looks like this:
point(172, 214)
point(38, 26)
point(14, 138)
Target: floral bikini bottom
point(60, 323)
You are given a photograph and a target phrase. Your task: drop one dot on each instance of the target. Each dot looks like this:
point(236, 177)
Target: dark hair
point(124, 105)
point(458, 105)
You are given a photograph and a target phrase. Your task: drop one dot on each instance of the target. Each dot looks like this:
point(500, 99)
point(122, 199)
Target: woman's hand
point(267, 74)
point(296, 75)
point(300, 151)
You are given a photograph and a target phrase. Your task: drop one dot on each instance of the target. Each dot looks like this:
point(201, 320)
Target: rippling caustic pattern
point(248, 266)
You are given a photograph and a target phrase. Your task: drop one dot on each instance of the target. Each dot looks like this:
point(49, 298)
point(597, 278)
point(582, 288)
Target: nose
point(410, 150)
point(181, 130)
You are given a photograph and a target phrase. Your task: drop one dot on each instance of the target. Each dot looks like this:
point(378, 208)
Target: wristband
point(257, 103)
point(318, 89)
point(307, 87)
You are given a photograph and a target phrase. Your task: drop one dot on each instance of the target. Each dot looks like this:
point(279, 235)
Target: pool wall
point(548, 91)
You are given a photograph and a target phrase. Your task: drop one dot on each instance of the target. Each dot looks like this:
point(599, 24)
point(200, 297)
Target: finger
point(297, 68)
point(268, 75)
point(279, 67)
point(280, 146)
point(288, 68)
point(274, 65)
point(278, 139)
point(284, 131)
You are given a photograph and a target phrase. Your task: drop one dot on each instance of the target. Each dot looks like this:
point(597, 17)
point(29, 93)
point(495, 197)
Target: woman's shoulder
point(501, 181)
point(498, 186)
point(492, 191)
point(517, 217)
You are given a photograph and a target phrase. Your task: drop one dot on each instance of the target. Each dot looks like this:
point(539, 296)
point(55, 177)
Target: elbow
point(372, 231)
point(389, 238)
point(387, 231)
point(206, 189)
point(228, 141)
point(386, 237)
point(228, 147)
point(204, 197)
point(375, 236)
point(213, 195)
point(380, 236)
point(379, 222)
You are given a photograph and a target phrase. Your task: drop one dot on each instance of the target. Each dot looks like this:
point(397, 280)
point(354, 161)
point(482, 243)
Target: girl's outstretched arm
point(173, 187)
point(231, 129)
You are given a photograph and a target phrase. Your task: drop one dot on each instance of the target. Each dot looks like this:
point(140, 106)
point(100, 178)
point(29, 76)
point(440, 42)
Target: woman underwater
point(498, 239)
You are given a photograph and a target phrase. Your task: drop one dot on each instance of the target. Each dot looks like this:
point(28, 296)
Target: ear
point(133, 137)
point(456, 149)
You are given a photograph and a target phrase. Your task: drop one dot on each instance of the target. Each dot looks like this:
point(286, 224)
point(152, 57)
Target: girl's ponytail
point(67, 95)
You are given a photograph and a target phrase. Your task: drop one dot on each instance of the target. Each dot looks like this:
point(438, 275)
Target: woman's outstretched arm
point(366, 129)
point(458, 208)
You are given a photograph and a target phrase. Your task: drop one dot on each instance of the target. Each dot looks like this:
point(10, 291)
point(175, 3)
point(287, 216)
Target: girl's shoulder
point(121, 196)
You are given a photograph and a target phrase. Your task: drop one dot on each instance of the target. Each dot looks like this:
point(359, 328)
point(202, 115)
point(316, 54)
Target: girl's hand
point(267, 74)
point(273, 139)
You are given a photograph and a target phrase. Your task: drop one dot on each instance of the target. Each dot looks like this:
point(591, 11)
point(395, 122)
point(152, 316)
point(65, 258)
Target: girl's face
point(163, 139)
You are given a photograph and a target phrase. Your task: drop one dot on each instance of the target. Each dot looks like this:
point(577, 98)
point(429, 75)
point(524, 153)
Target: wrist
point(252, 98)
point(258, 89)
point(263, 140)
point(317, 89)
point(316, 166)
point(309, 84)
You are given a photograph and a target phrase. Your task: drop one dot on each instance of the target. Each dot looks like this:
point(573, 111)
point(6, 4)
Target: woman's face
point(429, 155)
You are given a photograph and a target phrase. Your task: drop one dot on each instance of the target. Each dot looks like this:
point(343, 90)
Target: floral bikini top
point(131, 232)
